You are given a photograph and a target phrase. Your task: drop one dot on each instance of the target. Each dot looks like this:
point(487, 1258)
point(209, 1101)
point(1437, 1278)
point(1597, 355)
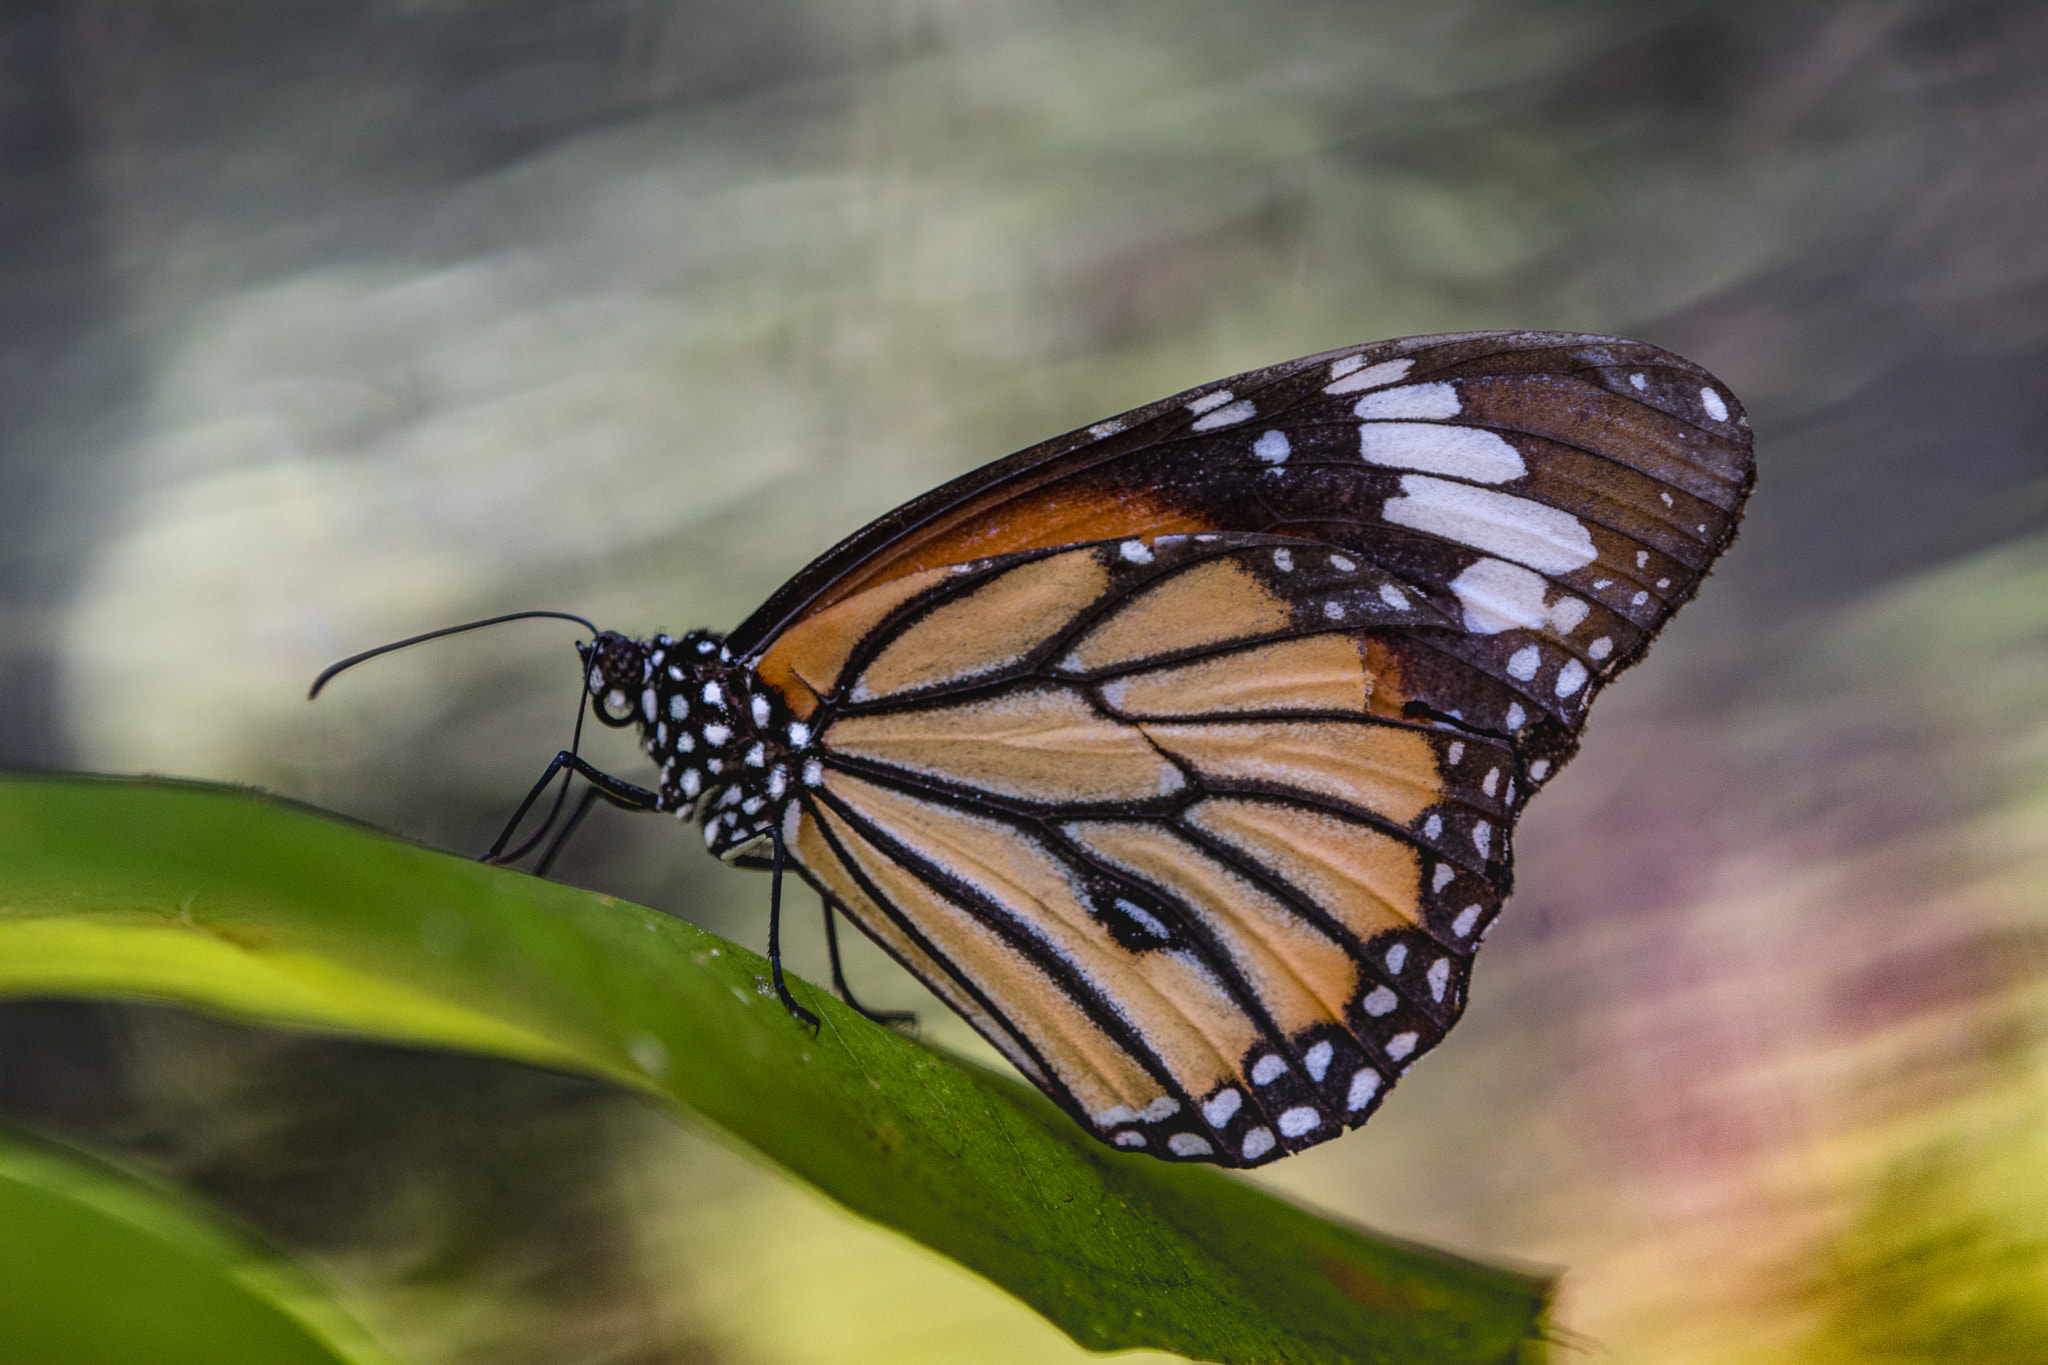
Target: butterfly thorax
point(727, 750)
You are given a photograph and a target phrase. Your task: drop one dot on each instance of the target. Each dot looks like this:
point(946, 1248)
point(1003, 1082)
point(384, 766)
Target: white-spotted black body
point(729, 753)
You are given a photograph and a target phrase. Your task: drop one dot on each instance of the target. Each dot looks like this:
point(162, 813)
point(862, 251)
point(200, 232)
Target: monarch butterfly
point(1180, 754)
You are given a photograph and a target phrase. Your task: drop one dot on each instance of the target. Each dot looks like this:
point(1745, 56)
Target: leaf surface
point(225, 901)
point(98, 1264)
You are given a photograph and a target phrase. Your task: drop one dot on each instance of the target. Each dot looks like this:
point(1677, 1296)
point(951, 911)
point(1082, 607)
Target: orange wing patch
point(1037, 520)
point(1213, 603)
point(1387, 769)
point(1101, 1076)
point(1196, 1030)
point(990, 627)
point(833, 879)
point(1317, 673)
point(1044, 744)
point(808, 658)
point(1369, 881)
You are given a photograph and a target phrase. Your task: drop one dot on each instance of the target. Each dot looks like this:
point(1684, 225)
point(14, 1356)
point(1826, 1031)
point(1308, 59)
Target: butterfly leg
point(839, 978)
point(620, 793)
point(801, 1015)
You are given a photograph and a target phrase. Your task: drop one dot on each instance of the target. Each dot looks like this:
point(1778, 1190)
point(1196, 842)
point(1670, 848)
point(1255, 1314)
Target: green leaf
point(99, 1265)
point(228, 902)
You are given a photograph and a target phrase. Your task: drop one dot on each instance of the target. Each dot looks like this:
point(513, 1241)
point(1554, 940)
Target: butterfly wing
point(1200, 824)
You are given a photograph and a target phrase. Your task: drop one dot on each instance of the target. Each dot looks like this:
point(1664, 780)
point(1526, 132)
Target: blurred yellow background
point(322, 324)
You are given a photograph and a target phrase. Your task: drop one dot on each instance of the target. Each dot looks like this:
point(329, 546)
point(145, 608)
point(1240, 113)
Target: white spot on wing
point(1433, 826)
point(1144, 918)
point(1393, 597)
point(1109, 428)
point(1334, 610)
point(1228, 417)
point(1570, 678)
point(1489, 786)
point(1716, 406)
point(1130, 1139)
point(1461, 452)
point(678, 707)
point(1210, 401)
point(1297, 1121)
point(1415, 401)
point(1517, 717)
point(1371, 377)
point(1456, 754)
point(1115, 1114)
point(1340, 368)
point(1499, 596)
point(1316, 1061)
point(1548, 539)
point(1364, 1086)
point(1221, 1107)
point(1273, 447)
point(1283, 560)
point(1401, 1044)
point(1640, 382)
point(1523, 663)
point(1462, 925)
point(1482, 839)
point(1257, 1143)
point(1439, 977)
point(1397, 958)
point(1187, 1144)
point(1443, 874)
point(1566, 613)
point(1601, 648)
point(1161, 1109)
point(1381, 1001)
point(1268, 1069)
point(1539, 770)
point(1135, 551)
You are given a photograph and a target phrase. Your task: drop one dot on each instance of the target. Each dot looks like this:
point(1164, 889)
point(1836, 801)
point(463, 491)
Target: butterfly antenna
point(352, 660)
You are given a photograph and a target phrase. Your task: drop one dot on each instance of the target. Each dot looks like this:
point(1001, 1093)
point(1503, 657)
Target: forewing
point(1559, 495)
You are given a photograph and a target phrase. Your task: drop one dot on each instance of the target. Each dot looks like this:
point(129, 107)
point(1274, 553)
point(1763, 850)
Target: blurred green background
point(325, 323)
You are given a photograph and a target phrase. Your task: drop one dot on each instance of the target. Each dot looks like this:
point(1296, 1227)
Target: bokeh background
point(323, 323)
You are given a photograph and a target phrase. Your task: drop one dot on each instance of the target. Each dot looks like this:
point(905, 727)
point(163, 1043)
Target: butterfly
point(1181, 754)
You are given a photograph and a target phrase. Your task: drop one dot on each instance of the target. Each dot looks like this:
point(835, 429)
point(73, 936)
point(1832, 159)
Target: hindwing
point(1160, 830)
